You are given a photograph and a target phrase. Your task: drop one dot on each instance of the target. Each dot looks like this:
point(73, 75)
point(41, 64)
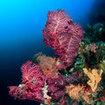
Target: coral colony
point(75, 76)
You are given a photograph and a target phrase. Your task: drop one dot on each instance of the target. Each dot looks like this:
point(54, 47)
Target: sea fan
point(62, 35)
point(56, 87)
point(32, 82)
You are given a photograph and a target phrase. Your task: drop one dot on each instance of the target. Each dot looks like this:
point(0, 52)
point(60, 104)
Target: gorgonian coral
point(56, 87)
point(31, 73)
point(63, 35)
point(32, 82)
point(29, 91)
point(55, 80)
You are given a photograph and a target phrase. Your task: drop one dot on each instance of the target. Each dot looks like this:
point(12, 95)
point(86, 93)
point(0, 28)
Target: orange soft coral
point(94, 77)
point(78, 92)
point(73, 91)
point(48, 65)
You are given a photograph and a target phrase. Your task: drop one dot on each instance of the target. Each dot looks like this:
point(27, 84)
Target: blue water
point(21, 24)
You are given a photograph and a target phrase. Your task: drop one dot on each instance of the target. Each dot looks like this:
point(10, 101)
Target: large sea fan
point(63, 35)
point(56, 87)
point(32, 82)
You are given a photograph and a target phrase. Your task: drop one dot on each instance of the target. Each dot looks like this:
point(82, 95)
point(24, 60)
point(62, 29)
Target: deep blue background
point(21, 24)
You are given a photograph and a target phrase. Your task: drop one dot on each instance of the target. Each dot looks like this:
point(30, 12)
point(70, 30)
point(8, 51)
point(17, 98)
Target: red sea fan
point(56, 87)
point(62, 35)
point(30, 92)
point(57, 20)
point(17, 92)
point(32, 73)
point(32, 83)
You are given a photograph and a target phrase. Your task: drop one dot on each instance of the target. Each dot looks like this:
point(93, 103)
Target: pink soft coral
point(62, 35)
point(32, 82)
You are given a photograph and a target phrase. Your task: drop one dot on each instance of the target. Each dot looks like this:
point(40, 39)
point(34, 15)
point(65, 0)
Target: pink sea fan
point(32, 82)
point(24, 91)
point(32, 73)
point(56, 87)
point(62, 35)
point(17, 92)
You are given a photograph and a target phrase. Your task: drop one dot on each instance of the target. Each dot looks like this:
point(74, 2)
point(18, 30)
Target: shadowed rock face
point(98, 12)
